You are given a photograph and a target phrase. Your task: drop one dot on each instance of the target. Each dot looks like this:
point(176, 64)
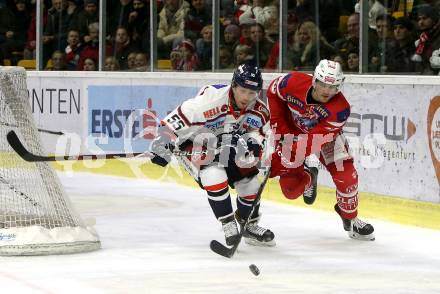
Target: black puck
point(254, 269)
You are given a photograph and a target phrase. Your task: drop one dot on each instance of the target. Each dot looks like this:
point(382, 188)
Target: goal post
point(36, 216)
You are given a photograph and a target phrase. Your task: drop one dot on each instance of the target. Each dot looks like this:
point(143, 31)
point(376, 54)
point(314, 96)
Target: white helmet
point(329, 72)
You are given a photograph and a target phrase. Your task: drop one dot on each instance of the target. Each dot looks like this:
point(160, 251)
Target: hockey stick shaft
point(58, 133)
point(221, 249)
point(21, 150)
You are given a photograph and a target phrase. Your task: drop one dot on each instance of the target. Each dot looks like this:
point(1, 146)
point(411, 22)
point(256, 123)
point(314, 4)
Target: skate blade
point(254, 242)
point(356, 236)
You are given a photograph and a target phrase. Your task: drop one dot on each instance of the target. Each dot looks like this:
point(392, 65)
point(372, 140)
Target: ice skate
point(255, 235)
point(356, 228)
point(230, 229)
point(311, 191)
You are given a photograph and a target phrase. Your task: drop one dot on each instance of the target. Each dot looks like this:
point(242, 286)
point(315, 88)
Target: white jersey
point(211, 111)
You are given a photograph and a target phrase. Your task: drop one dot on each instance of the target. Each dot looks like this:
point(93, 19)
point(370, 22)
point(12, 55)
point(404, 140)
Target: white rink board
point(393, 105)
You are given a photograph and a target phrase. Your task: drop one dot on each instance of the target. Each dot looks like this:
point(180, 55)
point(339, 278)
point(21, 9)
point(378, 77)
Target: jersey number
point(176, 122)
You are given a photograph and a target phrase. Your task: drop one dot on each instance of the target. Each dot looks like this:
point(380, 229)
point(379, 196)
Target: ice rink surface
point(155, 239)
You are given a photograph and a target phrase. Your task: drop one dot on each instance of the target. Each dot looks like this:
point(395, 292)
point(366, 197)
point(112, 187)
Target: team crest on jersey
point(306, 121)
point(295, 101)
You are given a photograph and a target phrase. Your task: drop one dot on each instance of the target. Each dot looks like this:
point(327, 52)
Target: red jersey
point(292, 114)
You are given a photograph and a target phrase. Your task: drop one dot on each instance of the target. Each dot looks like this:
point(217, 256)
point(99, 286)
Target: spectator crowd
point(399, 41)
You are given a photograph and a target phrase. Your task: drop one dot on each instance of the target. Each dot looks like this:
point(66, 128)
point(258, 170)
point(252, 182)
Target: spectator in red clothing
point(189, 60)
point(292, 27)
point(73, 50)
point(175, 58)
point(429, 39)
point(91, 48)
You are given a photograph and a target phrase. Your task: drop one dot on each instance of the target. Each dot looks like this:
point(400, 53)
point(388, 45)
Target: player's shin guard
point(219, 199)
point(220, 202)
point(356, 228)
point(244, 205)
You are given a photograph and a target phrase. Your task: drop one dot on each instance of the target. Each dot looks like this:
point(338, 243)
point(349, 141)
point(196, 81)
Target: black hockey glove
point(162, 148)
point(246, 147)
point(235, 148)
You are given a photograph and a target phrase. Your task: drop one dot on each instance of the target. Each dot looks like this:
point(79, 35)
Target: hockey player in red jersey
point(237, 120)
point(307, 115)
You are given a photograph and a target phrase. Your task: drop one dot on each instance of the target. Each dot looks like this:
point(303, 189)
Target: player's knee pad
point(212, 175)
point(247, 187)
point(293, 185)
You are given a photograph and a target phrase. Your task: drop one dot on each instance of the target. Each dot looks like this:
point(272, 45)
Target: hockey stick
point(221, 249)
point(12, 187)
point(19, 148)
point(58, 133)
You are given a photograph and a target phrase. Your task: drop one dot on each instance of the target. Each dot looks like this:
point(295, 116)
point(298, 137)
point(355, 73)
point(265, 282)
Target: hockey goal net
point(36, 217)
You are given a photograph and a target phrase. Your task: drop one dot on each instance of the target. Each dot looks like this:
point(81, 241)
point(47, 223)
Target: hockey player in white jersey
point(229, 123)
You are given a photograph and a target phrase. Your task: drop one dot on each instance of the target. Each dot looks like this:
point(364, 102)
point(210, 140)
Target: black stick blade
point(221, 249)
point(18, 147)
